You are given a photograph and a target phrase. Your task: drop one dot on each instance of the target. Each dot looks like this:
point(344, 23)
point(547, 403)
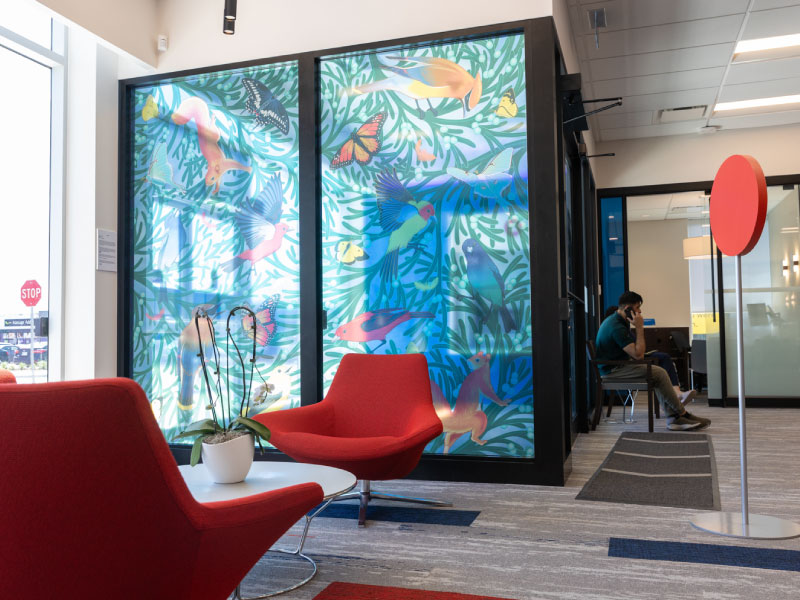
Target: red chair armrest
point(315, 418)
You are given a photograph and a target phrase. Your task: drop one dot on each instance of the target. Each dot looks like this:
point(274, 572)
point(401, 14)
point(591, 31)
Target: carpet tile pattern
point(357, 591)
point(540, 543)
point(711, 554)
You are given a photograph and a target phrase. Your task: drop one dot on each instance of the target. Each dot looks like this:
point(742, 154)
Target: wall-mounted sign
point(106, 250)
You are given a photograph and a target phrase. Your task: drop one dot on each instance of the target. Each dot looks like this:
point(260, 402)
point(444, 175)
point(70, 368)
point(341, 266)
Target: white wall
point(128, 25)
point(270, 28)
point(658, 271)
point(90, 345)
point(678, 158)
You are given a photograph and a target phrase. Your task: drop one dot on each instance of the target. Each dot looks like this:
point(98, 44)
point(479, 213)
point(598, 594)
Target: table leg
point(237, 593)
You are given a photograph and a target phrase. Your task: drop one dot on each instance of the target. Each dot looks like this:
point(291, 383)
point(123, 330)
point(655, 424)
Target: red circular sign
point(738, 204)
point(31, 292)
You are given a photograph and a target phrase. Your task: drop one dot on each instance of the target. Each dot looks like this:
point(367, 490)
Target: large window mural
point(424, 183)
point(214, 177)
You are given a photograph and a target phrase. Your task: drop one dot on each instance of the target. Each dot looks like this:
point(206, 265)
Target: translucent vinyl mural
point(426, 247)
point(214, 178)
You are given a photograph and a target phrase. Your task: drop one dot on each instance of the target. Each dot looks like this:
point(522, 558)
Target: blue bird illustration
point(486, 281)
point(401, 216)
point(189, 351)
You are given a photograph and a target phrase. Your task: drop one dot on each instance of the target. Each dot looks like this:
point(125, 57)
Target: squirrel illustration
point(208, 137)
point(467, 415)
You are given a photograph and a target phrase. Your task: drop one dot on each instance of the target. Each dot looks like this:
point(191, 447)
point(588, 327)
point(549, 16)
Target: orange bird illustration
point(428, 77)
point(260, 222)
point(208, 137)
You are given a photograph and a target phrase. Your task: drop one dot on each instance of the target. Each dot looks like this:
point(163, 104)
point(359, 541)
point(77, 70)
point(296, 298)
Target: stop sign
point(31, 292)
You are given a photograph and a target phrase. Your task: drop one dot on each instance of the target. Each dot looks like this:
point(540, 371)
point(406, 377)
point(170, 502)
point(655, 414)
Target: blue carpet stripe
point(711, 554)
point(400, 514)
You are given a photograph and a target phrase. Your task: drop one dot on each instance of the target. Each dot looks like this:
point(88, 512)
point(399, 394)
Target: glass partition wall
point(405, 220)
point(770, 280)
point(770, 302)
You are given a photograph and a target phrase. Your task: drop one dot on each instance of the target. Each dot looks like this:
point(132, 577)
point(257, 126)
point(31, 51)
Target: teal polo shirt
point(614, 334)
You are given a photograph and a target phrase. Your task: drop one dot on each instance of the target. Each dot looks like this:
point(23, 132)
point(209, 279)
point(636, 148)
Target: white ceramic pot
point(229, 462)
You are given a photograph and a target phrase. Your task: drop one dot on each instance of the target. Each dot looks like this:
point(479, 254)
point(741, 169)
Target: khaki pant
point(662, 384)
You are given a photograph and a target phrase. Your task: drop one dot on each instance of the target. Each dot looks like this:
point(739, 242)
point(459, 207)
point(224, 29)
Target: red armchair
point(375, 421)
point(93, 505)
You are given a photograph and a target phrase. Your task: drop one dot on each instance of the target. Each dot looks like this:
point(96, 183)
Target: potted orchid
point(226, 440)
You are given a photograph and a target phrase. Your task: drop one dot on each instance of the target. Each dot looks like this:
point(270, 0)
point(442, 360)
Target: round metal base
point(237, 594)
point(760, 527)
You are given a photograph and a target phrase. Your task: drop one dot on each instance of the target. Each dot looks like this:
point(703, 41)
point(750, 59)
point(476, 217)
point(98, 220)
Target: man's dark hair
point(629, 297)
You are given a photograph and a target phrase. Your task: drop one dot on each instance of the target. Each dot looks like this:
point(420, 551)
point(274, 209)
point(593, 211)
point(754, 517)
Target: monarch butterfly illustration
point(265, 321)
point(363, 143)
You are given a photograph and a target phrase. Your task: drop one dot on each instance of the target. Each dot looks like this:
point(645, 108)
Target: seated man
point(664, 361)
point(615, 342)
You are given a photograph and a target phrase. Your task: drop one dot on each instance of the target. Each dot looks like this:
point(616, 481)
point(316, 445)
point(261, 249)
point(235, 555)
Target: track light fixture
point(229, 18)
point(230, 10)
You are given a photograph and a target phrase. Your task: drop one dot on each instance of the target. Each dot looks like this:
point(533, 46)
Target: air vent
point(684, 113)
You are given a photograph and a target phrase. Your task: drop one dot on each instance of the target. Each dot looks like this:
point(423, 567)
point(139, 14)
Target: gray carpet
point(663, 469)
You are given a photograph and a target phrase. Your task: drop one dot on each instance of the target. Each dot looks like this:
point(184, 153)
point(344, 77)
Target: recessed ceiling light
point(758, 103)
point(768, 43)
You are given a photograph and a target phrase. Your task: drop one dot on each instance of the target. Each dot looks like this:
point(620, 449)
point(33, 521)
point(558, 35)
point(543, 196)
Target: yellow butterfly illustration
point(508, 105)
point(348, 253)
point(150, 109)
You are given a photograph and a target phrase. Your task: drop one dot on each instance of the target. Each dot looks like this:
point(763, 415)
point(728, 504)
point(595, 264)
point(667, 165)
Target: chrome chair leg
point(365, 494)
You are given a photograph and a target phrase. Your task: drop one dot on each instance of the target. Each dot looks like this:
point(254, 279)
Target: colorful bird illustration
point(265, 326)
point(189, 344)
point(281, 379)
point(486, 281)
point(348, 252)
point(259, 220)
point(492, 179)
point(508, 105)
point(427, 78)
point(376, 324)
point(401, 216)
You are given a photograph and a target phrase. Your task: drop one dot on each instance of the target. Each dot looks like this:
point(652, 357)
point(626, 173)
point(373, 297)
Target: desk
point(265, 477)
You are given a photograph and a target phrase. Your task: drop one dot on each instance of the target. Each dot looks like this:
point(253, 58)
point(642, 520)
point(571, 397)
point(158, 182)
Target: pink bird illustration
point(375, 325)
point(259, 221)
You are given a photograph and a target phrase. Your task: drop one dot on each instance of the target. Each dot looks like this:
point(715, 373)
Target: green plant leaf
point(197, 448)
point(201, 423)
point(254, 426)
point(194, 432)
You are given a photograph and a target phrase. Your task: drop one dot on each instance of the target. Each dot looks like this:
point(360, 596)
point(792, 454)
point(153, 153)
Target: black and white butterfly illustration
point(265, 106)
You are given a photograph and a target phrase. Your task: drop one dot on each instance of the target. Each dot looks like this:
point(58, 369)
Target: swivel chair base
point(364, 495)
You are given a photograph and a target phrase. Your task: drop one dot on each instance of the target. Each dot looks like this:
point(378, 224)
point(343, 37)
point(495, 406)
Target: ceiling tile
point(760, 89)
point(645, 131)
point(663, 82)
point(629, 14)
point(769, 4)
point(786, 117)
point(649, 202)
point(668, 61)
point(768, 23)
point(663, 37)
point(763, 70)
point(633, 119)
point(666, 100)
